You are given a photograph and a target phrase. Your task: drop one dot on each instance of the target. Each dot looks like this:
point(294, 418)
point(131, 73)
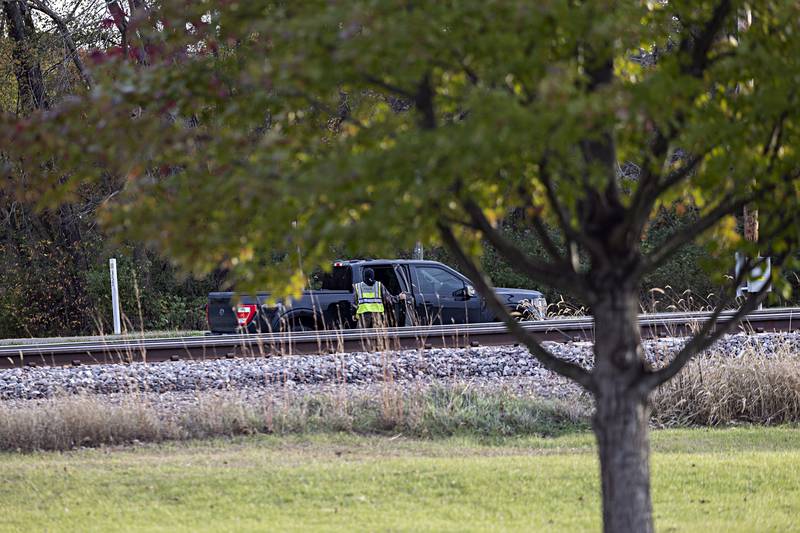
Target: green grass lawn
point(109, 337)
point(703, 480)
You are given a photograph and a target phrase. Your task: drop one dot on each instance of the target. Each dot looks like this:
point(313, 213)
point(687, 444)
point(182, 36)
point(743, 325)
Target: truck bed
point(229, 312)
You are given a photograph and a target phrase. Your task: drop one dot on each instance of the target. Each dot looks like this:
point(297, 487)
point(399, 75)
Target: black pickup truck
point(435, 294)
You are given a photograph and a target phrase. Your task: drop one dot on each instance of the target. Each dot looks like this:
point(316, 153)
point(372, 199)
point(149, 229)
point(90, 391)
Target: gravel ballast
point(509, 365)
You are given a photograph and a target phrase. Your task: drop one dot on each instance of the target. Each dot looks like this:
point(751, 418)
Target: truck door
point(408, 311)
point(442, 297)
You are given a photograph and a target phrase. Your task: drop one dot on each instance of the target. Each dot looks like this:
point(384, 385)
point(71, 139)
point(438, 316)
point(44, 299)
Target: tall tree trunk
point(621, 414)
point(620, 425)
point(121, 22)
point(27, 70)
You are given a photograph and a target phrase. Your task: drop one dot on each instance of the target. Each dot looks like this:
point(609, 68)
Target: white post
point(419, 252)
point(112, 265)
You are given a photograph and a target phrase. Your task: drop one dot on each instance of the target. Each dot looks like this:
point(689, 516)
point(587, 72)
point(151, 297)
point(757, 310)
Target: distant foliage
point(49, 290)
point(44, 290)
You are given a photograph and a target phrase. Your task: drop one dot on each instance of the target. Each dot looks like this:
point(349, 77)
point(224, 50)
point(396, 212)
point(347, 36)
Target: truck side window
point(436, 281)
point(316, 280)
point(387, 276)
point(338, 279)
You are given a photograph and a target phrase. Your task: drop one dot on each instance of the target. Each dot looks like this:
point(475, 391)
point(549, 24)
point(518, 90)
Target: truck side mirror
point(466, 293)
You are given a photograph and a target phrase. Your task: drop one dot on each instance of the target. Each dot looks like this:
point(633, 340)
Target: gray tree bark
point(27, 69)
point(622, 414)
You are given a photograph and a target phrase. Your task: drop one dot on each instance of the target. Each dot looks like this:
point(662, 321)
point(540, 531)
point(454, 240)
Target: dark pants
point(371, 320)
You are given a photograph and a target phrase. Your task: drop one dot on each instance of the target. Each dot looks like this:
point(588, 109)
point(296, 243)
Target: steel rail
point(332, 341)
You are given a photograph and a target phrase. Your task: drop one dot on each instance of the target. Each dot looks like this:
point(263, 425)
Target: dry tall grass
point(68, 422)
point(714, 390)
point(73, 421)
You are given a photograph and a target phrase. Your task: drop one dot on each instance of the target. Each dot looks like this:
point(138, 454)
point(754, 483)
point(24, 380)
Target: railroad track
point(333, 341)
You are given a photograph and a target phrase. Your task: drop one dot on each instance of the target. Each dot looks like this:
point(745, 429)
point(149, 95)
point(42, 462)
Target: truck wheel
point(299, 327)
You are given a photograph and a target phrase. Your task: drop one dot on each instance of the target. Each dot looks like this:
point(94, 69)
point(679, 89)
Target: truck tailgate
point(224, 315)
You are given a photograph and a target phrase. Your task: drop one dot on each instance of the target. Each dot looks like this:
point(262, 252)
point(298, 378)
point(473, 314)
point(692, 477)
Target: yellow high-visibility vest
point(368, 298)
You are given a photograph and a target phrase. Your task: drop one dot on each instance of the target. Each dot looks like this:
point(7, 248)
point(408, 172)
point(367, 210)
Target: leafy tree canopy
point(250, 132)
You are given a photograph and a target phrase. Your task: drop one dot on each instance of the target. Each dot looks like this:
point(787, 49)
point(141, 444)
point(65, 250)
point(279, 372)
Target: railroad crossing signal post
point(112, 265)
point(759, 275)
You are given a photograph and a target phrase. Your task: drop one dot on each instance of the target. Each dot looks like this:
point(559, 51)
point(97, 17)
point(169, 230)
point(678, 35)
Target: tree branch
point(547, 242)
point(690, 232)
point(562, 217)
point(120, 21)
point(322, 106)
point(678, 175)
point(709, 333)
point(423, 101)
point(472, 76)
point(653, 186)
point(697, 47)
point(549, 245)
point(422, 97)
point(139, 12)
point(389, 87)
point(39, 5)
point(548, 360)
point(643, 199)
point(773, 145)
point(555, 275)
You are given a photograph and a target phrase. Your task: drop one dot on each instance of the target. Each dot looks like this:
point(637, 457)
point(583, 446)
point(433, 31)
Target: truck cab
point(436, 294)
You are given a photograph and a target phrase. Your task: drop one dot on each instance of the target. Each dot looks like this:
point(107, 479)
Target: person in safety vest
point(371, 300)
